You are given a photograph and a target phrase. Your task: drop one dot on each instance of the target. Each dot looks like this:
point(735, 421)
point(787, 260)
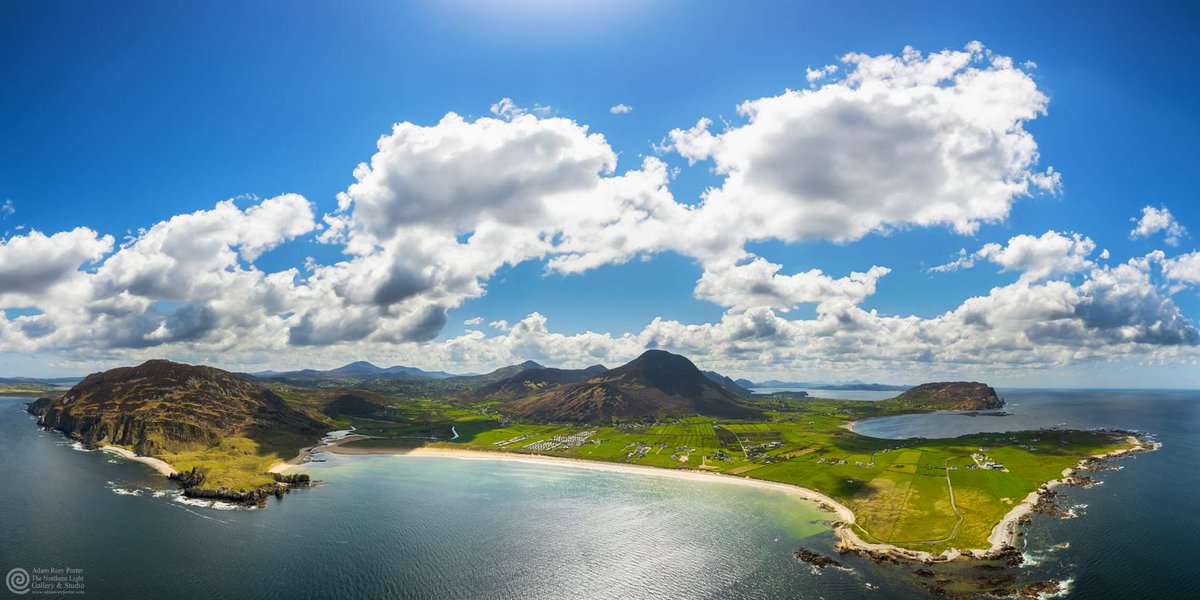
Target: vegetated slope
point(657, 383)
point(727, 383)
point(353, 403)
point(532, 381)
point(498, 375)
point(951, 395)
point(162, 406)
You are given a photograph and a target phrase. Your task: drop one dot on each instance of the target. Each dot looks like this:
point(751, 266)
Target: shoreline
point(305, 454)
point(1000, 540)
point(1005, 532)
point(821, 500)
point(163, 467)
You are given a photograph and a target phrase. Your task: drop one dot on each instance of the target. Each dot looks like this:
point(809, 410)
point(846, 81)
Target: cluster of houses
point(842, 461)
point(562, 442)
point(759, 451)
point(640, 449)
point(682, 453)
point(983, 461)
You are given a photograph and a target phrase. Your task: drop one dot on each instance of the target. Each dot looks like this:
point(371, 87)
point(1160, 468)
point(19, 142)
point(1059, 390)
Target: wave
point(204, 503)
point(1064, 589)
point(77, 446)
point(120, 491)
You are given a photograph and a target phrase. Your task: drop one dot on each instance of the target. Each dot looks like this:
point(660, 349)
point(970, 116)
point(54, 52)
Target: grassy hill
point(189, 416)
point(948, 395)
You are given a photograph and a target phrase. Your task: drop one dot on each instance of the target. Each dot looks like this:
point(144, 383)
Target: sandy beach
point(843, 526)
point(1002, 536)
point(1005, 532)
point(843, 513)
point(157, 464)
point(306, 454)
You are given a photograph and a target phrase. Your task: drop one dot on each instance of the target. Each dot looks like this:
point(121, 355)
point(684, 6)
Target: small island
point(231, 437)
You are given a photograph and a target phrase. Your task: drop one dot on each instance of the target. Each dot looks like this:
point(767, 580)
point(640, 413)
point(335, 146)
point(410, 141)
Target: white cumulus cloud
point(909, 140)
point(1184, 268)
point(1034, 257)
point(1158, 220)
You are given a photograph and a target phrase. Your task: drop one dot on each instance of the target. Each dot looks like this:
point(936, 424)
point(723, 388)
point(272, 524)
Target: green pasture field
point(898, 489)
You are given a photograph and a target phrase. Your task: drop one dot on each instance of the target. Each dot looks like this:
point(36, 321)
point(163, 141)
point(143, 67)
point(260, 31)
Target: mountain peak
point(359, 366)
point(595, 370)
point(654, 384)
point(662, 369)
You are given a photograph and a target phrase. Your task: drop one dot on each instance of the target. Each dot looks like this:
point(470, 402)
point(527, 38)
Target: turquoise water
point(407, 527)
point(421, 527)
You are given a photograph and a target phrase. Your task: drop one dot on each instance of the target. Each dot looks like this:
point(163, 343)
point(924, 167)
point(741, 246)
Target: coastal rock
point(191, 478)
point(299, 479)
point(815, 559)
point(254, 497)
point(1036, 590)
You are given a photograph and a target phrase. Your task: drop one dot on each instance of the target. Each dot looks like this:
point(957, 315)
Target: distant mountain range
point(541, 377)
point(813, 385)
point(355, 370)
point(728, 383)
point(52, 381)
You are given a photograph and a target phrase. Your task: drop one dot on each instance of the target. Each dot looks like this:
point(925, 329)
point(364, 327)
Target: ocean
point(871, 395)
point(436, 527)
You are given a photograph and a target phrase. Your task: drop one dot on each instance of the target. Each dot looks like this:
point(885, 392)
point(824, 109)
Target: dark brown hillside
point(533, 381)
point(162, 406)
point(657, 383)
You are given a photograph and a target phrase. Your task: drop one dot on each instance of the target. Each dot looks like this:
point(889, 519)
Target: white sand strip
point(157, 464)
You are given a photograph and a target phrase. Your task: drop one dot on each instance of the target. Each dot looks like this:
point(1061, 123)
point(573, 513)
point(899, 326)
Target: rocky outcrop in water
point(292, 479)
point(188, 479)
point(192, 480)
point(815, 559)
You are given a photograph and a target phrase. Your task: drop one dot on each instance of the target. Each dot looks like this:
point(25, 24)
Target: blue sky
point(116, 118)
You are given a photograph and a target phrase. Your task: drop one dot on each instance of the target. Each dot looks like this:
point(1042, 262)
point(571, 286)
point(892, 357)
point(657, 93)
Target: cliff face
point(953, 395)
point(164, 406)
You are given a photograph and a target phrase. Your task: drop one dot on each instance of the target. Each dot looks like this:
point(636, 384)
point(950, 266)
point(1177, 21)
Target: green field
point(900, 491)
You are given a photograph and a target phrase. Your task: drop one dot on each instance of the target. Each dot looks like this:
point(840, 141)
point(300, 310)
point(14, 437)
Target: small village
point(562, 442)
